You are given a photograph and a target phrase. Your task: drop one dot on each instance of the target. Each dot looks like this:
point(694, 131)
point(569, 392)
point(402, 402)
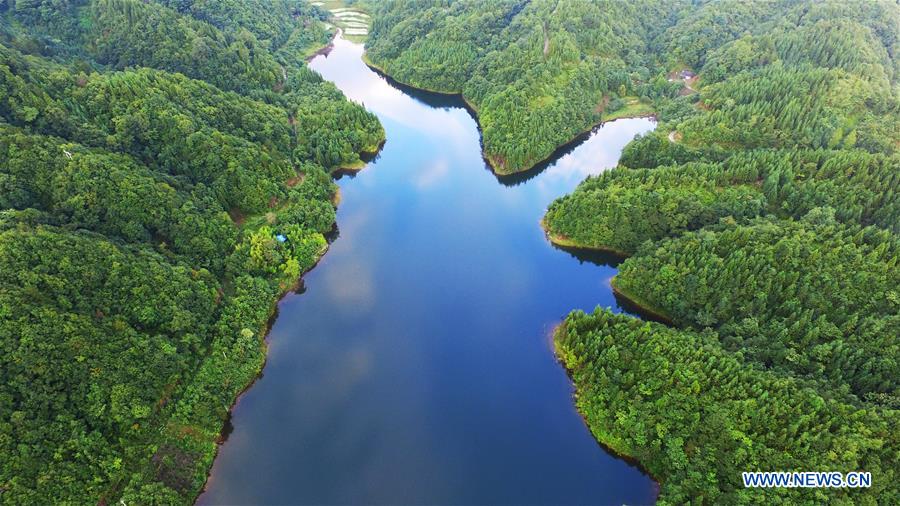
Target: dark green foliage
point(812, 298)
point(778, 106)
point(186, 128)
point(654, 150)
point(93, 335)
point(860, 187)
point(529, 100)
point(540, 72)
point(622, 208)
point(240, 148)
point(330, 131)
point(56, 17)
point(698, 415)
point(239, 46)
point(128, 32)
point(111, 194)
point(273, 22)
point(763, 218)
point(139, 210)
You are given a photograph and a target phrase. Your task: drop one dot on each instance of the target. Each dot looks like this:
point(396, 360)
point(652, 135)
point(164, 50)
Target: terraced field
point(351, 20)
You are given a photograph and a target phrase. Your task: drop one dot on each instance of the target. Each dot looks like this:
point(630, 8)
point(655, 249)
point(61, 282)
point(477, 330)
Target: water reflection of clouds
point(354, 284)
point(600, 151)
point(338, 375)
point(384, 99)
point(433, 172)
point(406, 397)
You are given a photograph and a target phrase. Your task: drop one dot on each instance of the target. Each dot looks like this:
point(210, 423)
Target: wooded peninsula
point(761, 217)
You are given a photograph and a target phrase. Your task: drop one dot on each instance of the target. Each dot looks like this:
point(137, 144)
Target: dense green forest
point(164, 177)
point(761, 218)
point(697, 415)
point(537, 72)
point(540, 72)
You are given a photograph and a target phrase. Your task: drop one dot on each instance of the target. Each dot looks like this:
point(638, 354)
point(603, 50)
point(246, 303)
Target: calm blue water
point(417, 366)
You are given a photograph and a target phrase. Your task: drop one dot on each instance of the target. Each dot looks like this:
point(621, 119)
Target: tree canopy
point(540, 72)
point(150, 156)
point(761, 221)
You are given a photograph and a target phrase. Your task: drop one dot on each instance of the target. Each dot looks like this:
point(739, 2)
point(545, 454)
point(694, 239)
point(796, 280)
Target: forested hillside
point(761, 215)
point(540, 72)
point(164, 177)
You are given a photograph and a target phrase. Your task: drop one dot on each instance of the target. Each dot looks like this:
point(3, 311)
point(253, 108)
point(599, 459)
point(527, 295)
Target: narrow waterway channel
point(417, 366)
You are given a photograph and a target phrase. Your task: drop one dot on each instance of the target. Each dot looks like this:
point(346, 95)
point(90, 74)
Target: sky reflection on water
point(416, 366)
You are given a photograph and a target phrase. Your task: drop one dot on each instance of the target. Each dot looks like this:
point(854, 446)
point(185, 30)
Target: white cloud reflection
point(353, 285)
point(600, 151)
point(383, 99)
point(434, 172)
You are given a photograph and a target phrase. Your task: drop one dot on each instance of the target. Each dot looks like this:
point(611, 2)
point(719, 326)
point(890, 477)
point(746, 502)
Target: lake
point(417, 366)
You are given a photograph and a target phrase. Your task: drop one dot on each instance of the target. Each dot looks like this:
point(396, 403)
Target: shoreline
point(295, 288)
point(606, 444)
point(290, 290)
point(645, 310)
point(577, 139)
point(324, 50)
point(565, 242)
point(451, 94)
point(491, 159)
point(225, 431)
point(380, 70)
point(367, 154)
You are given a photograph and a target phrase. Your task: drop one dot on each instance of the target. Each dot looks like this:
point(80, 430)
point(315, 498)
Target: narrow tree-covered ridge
point(761, 215)
point(762, 219)
point(164, 177)
point(541, 72)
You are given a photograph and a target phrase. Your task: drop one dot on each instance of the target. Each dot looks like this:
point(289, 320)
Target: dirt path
point(546, 40)
point(688, 82)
